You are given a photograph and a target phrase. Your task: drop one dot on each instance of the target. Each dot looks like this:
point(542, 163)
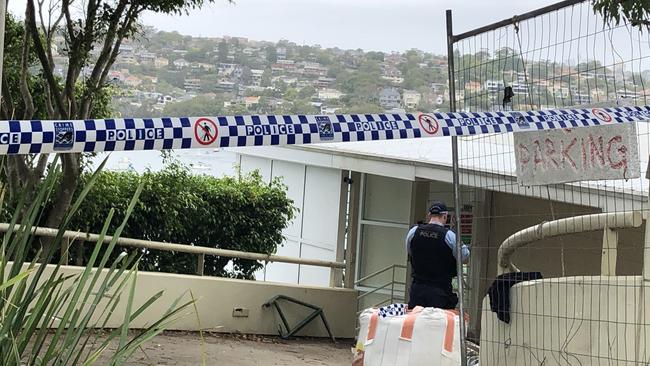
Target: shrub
point(242, 213)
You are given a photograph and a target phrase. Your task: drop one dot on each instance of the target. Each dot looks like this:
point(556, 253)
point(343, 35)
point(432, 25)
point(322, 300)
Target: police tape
point(98, 135)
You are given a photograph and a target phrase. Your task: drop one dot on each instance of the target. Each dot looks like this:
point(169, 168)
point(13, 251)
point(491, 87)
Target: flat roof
point(486, 161)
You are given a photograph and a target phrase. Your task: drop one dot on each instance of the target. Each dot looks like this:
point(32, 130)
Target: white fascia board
point(299, 156)
point(412, 170)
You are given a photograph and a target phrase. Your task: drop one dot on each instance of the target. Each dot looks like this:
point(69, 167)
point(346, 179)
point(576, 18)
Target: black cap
point(438, 208)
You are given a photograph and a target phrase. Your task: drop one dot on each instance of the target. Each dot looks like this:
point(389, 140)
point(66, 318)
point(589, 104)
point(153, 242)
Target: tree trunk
point(71, 172)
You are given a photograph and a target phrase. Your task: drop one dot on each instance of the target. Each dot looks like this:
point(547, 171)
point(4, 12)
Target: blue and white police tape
point(97, 135)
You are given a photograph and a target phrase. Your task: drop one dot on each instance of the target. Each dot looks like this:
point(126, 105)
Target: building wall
point(582, 252)
point(217, 297)
point(316, 192)
point(569, 255)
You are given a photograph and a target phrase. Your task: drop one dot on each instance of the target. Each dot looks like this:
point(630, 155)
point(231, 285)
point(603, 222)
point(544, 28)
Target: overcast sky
point(384, 25)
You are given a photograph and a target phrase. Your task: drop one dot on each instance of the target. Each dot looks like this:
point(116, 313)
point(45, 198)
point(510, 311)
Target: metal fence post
point(65, 249)
point(392, 287)
point(200, 264)
point(454, 152)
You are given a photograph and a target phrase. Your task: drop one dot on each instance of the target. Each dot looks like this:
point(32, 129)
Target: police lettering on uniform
point(432, 250)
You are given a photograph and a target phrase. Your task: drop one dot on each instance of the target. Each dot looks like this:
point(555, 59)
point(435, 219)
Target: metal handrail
point(374, 290)
point(392, 266)
point(569, 225)
point(390, 284)
point(173, 247)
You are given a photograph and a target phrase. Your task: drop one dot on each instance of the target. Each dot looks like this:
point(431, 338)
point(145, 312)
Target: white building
point(181, 63)
point(326, 94)
point(411, 99)
point(358, 200)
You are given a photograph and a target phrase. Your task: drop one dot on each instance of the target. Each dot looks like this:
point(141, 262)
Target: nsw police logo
point(520, 120)
point(63, 135)
point(325, 129)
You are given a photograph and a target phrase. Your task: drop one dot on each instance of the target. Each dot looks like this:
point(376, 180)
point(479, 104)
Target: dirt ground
point(183, 348)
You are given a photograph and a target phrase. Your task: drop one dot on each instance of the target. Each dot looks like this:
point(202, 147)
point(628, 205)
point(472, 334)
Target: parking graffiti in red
point(576, 153)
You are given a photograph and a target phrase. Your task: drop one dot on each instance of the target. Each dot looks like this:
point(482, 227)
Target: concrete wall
point(217, 297)
point(570, 255)
point(570, 321)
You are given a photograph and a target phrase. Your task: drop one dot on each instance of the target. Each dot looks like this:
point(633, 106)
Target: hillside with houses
point(166, 73)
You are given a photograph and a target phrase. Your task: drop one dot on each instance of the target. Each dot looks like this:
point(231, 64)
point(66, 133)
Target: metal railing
point(70, 237)
point(382, 289)
point(609, 222)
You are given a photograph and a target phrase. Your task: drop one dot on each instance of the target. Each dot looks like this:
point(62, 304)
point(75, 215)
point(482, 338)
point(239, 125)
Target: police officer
point(432, 250)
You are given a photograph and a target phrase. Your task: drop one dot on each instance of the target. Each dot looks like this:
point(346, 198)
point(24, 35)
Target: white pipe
point(569, 225)
point(172, 247)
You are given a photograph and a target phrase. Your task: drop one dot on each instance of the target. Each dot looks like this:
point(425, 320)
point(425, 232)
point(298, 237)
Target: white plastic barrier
point(423, 336)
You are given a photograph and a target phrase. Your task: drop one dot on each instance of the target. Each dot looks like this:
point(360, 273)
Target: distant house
point(391, 71)
point(181, 63)
point(225, 85)
point(160, 62)
point(519, 88)
point(597, 93)
point(473, 86)
point(164, 99)
point(256, 77)
point(202, 65)
point(238, 72)
point(147, 58)
point(328, 110)
point(284, 66)
point(249, 51)
point(313, 69)
point(394, 79)
point(288, 80)
point(115, 75)
point(226, 68)
point(323, 82)
point(494, 86)
point(151, 79)
point(126, 49)
point(192, 85)
point(282, 53)
point(127, 59)
point(132, 81)
point(251, 101)
point(326, 94)
point(411, 99)
point(389, 98)
point(437, 87)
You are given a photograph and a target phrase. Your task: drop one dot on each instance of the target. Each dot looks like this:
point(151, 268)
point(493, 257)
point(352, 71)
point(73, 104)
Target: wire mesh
point(590, 307)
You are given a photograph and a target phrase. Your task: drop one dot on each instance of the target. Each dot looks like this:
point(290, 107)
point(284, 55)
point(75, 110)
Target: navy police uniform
point(431, 248)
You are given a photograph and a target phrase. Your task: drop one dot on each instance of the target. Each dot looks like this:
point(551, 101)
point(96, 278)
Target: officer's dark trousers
point(431, 295)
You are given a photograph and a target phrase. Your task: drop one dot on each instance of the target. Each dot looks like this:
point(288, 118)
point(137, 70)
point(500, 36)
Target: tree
point(636, 12)
point(302, 106)
point(198, 106)
point(375, 56)
point(101, 25)
point(266, 78)
point(306, 92)
point(222, 52)
point(363, 107)
point(271, 54)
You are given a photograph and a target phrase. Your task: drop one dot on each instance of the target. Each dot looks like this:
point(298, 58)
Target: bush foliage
point(238, 213)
